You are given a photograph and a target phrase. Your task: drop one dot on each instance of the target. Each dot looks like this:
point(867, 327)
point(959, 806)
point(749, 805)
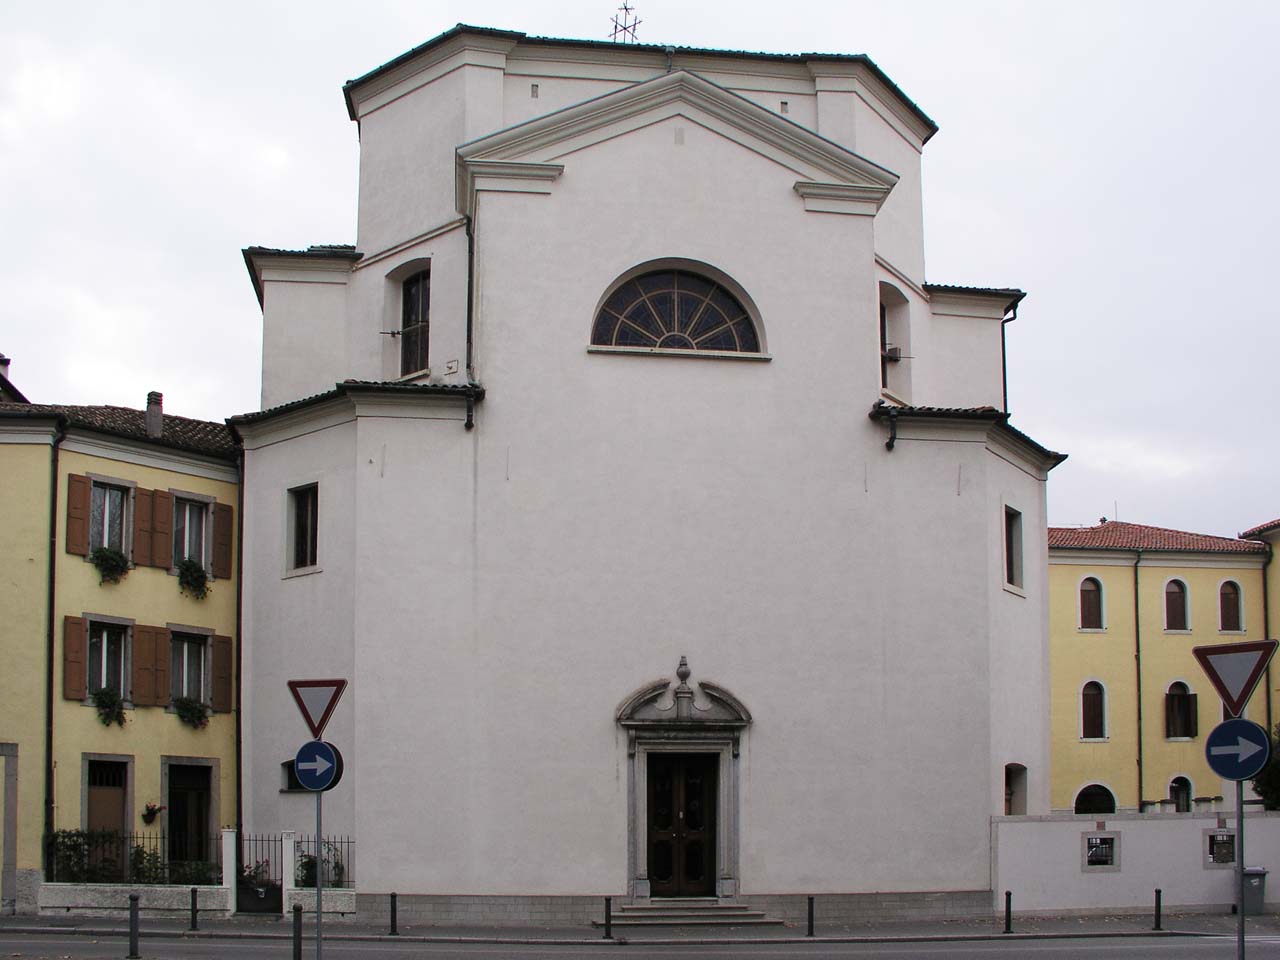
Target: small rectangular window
point(415, 322)
point(189, 521)
point(1101, 853)
point(533, 91)
point(304, 504)
point(187, 653)
point(107, 642)
point(1012, 547)
point(1222, 848)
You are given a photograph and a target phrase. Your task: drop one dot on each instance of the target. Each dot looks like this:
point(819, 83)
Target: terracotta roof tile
point(1115, 535)
point(1269, 527)
point(180, 433)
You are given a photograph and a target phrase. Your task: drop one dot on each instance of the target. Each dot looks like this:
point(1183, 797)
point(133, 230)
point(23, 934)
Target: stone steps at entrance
point(690, 912)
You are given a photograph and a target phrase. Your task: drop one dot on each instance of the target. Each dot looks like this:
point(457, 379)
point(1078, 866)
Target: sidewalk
point(270, 928)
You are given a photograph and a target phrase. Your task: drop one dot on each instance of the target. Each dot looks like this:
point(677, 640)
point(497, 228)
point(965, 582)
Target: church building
point(666, 521)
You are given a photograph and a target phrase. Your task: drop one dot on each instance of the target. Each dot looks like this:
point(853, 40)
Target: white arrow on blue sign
point(1237, 749)
point(315, 765)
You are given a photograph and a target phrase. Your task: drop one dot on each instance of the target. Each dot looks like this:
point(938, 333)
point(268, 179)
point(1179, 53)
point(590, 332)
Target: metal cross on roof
point(624, 29)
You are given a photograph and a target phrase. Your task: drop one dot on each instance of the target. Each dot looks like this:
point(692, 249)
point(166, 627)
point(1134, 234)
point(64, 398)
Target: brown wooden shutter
point(163, 637)
point(142, 505)
point(79, 496)
point(221, 688)
point(1193, 715)
point(143, 680)
point(1170, 715)
point(74, 643)
point(222, 524)
point(162, 529)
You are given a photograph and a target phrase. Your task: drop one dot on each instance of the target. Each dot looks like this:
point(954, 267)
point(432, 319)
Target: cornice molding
point(158, 458)
point(855, 199)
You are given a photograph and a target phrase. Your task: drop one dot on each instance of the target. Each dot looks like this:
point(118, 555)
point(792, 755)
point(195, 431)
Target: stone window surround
point(127, 760)
point(215, 788)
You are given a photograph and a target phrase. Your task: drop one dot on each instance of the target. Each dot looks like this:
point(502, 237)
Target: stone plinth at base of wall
point(28, 895)
point(525, 911)
point(337, 902)
point(112, 900)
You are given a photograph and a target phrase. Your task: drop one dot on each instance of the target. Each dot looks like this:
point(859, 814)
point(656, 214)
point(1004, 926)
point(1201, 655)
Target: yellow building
point(1129, 704)
point(118, 688)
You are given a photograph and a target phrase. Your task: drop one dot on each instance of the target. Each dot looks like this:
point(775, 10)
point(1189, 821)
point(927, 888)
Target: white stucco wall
point(1039, 859)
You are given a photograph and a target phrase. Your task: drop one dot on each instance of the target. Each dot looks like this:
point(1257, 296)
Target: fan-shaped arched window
point(1229, 606)
point(1095, 798)
point(1175, 605)
point(674, 310)
point(1090, 604)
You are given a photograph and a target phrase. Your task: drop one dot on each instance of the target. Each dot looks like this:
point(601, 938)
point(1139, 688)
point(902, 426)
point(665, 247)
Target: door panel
point(682, 825)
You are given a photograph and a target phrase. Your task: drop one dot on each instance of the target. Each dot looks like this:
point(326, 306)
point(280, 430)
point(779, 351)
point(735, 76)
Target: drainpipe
point(1266, 630)
point(59, 433)
point(1137, 661)
point(239, 650)
point(471, 288)
point(1004, 365)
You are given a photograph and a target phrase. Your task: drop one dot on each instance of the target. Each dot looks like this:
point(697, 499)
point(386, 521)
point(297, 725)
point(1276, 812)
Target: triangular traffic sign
point(1234, 669)
point(316, 700)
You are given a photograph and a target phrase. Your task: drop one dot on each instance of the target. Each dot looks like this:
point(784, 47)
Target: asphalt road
point(1130, 948)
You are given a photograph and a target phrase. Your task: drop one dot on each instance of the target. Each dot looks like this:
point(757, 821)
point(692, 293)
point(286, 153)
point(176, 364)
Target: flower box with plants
point(150, 812)
point(193, 579)
point(109, 704)
point(112, 565)
point(191, 712)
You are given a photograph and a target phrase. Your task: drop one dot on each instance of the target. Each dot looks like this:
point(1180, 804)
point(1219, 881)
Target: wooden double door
point(682, 804)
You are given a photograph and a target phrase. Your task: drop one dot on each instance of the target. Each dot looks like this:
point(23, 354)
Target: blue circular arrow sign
point(316, 765)
point(1237, 749)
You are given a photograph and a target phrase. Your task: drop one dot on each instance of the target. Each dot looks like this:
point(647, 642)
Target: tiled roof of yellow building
point(1115, 535)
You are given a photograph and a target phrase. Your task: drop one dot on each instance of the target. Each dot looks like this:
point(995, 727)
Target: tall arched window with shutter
point(1229, 618)
point(1093, 714)
point(1180, 712)
point(1090, 604)
point(1175, 605)
point(415, 322)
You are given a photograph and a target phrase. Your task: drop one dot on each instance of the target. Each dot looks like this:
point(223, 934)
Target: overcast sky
point(1118, 161)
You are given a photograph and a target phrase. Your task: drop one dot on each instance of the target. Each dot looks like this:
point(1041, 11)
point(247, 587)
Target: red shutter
point(221, 689)
point(144, 667)
point(162, 529)
point(222, 522)
point(74, 643)
point(163, 637)
point(79, 496)
point(142, 505)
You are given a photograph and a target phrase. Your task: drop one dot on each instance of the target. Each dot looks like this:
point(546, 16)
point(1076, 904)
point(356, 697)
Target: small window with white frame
point(1230, 618)
point(190, 531)
point(107, 657)
point(188, 666)
point(109, 526)
point(1012, 547)
point(304, 527)
point(1100, 852)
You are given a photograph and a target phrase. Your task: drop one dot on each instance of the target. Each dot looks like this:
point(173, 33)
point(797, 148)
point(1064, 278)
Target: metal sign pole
point(1240, 869)
point(320, 875)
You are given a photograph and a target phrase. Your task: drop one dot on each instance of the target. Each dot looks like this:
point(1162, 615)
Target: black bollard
point(810, 933)
point(195, 922)
point(1008, 911)
point(394, 931)
point(1157, 926)
point(133, 953)
point(608, 918)
point(297, 931)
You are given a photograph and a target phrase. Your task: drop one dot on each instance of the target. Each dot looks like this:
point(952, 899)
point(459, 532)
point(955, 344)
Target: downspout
point(1137, 660)
point(1266, 631)
point(471, 294)
point(239, 821)
point(51, 641)
point(1004, 365)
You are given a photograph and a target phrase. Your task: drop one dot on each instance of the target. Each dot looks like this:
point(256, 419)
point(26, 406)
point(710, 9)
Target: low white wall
point(337, 901)
point(112, 899)
point(1041, 860)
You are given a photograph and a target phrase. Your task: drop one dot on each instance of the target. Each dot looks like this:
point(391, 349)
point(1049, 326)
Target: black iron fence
point(332, 858)
point(105, 856)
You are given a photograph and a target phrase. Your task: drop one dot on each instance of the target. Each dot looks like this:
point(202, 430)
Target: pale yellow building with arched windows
point(1129, 704)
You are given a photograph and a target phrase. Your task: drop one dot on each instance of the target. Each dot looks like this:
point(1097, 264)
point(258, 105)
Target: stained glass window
point(674, 310)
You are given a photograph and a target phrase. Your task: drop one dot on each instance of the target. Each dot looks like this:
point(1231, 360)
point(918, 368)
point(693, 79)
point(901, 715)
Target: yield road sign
point(316, 765)
point(1237, 749)
point(1234, 669)
point(316, 700)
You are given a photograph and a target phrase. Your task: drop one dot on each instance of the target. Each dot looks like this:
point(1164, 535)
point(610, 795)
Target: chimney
point(155, 414)
point(4, 365)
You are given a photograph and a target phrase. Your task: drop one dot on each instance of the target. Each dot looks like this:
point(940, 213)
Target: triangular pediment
point(534, 153)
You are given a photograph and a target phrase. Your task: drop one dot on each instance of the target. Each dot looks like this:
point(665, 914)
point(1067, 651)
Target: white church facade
point(667, 524)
